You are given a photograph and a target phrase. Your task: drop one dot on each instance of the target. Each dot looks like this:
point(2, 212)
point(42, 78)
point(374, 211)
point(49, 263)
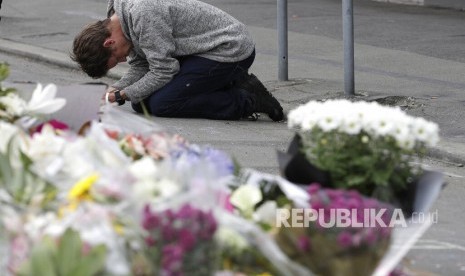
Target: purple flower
point(149, 221)
point(344, 239)
point(223, 163)
point(150, 241)
point(334, 194)
point(187, 239)
point(185, 212)
point(178, 237)
point(329, 203)
point(357, 239)
point(370, 237)
point(209, 225)
point(172, 257)
point(353, 203)
point(317, 204)
point(385, 232)
point(168, 232)
point(303, 243)
point(313, 188)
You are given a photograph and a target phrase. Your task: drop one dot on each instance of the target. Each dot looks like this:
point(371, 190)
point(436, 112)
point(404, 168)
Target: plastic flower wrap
point(341, 233)
point(363, 145)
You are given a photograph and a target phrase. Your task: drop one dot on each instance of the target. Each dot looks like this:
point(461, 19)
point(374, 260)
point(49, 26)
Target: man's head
point(100, 46)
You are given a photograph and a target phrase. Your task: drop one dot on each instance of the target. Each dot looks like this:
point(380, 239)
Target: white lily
point(43, 101)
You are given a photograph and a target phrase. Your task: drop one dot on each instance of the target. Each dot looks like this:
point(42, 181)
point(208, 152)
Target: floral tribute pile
point(121, 199)
point(115, 202)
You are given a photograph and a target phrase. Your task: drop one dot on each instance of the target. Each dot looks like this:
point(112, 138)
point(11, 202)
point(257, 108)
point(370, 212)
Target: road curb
point(449, 152)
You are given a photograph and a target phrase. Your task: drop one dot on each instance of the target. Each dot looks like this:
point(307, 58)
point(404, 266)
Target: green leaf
point(355, 180)
point(6, 172)
point(42, 259)
point(93, 263)
point(69, 251)
point(25, 160)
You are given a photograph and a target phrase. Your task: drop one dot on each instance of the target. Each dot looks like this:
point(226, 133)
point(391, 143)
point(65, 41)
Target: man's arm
point(153, 30)
point(138, 68)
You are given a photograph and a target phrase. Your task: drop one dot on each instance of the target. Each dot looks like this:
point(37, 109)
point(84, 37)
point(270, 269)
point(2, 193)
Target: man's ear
point(108, 42)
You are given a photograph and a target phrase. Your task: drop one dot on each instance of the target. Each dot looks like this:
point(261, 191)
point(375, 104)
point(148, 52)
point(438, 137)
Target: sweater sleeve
point(138, 67)
point(157, 68)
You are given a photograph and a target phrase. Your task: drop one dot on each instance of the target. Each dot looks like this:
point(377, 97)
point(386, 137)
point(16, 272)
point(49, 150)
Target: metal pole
point(282, 41)
point(348, 37)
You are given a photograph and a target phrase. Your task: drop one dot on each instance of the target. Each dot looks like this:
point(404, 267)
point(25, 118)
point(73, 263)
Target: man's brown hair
point(88, 49)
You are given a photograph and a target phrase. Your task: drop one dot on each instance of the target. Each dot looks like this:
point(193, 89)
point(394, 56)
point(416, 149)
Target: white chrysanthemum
point(43, 101)
point(408, 142)
point(351, 124)
point(401, 132)
point(425, 131)
point(371, 117)
point(328, 122)
point(382, 126)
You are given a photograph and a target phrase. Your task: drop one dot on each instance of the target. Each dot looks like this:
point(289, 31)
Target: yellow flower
point(80, 190)
point(119, 228)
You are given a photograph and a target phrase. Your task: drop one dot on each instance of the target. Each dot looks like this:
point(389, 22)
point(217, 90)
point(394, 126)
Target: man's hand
point(111, 95)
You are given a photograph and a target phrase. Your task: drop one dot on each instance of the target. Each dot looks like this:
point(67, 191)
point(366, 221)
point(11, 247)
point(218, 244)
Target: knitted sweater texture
point(161, 30)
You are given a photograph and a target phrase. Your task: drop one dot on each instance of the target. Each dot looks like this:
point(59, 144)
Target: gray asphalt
point(411, 56)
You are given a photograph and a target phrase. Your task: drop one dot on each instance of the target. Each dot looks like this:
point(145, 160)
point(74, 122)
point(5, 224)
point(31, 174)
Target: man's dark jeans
point(202, 89)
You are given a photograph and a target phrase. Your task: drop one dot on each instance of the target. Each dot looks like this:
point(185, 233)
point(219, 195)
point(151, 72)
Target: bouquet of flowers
point(362, 145)
point(341, 233)
point(181, 242)
point(106, 202)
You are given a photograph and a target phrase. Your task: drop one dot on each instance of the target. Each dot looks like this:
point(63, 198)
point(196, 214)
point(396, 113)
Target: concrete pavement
point(423, 85)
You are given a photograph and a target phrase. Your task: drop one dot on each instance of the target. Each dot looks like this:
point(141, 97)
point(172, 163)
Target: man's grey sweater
point(161, 30)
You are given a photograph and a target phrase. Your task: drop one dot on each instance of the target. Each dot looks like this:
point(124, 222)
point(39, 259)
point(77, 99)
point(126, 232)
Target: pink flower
point(227, 204)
